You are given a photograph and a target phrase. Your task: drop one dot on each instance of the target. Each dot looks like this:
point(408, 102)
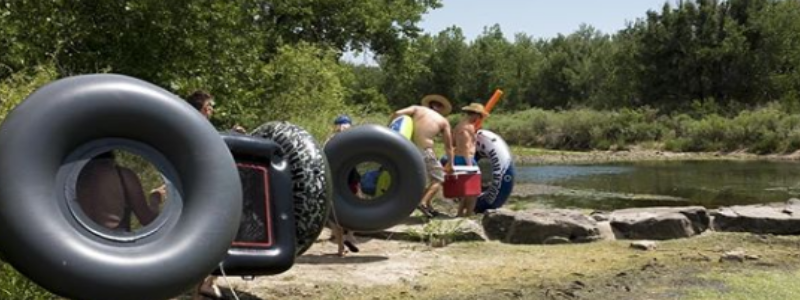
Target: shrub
point(17, 87)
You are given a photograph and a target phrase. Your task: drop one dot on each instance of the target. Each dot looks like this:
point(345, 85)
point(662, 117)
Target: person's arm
point(447, 136)
point(408, 111)
point(157, 196)
point(136, 198)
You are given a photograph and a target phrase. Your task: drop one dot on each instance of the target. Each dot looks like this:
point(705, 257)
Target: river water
point(613, 186)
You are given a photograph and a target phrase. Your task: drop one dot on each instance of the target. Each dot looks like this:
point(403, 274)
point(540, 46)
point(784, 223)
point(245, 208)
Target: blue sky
point(537, 18)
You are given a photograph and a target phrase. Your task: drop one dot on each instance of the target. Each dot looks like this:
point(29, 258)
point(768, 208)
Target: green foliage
point(770, 129)
point(233, 49)
point(734, 55)
point(301, 79)
point(438, 233)
point(580, 129)
point(15, 286)
point(18, 86)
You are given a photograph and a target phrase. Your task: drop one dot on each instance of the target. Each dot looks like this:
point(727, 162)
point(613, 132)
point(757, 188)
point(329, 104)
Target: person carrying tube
point(344, 238)
point(429, 122)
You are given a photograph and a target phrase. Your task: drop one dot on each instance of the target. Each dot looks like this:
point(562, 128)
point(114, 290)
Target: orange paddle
point(498, 93)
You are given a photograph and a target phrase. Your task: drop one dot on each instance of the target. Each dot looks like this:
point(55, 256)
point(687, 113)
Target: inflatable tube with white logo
point(492, 147)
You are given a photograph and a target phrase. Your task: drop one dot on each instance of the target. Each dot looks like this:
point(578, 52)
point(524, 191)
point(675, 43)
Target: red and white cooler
point(464, 182)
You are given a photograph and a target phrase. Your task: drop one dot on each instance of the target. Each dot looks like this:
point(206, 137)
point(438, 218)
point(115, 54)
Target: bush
point(769, 129)
point(580, 129)
point(18, 86)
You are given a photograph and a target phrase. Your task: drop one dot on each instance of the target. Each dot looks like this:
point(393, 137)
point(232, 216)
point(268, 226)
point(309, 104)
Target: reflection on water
point(707, 183)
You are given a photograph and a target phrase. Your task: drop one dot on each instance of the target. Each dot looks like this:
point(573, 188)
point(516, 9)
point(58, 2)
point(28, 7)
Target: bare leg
point(427, 198)
point(338, 236)
point(469, 206)
point(206, 289)
point(462, 203)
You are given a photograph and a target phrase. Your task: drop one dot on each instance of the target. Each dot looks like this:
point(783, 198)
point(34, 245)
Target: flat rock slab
point(659, 223)
point(455, 229)
point(539, 226)
point(773, 218)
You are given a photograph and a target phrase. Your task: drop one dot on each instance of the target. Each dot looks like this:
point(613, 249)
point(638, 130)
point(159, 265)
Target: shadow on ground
point(227, 294)
point(333, 259)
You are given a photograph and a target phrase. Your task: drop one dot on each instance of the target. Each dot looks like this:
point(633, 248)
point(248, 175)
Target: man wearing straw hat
point(429, 121)
point(464, 140)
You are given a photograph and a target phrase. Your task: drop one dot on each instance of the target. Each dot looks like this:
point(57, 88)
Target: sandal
point(352, 247)
point(425, 211)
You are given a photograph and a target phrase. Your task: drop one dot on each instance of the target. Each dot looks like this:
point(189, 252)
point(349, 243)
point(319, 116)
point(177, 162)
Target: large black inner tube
point(310, 178)
point(44, 142)
point(397, 155)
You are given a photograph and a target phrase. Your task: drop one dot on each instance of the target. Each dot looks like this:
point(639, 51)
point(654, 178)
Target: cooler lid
point(466, 169)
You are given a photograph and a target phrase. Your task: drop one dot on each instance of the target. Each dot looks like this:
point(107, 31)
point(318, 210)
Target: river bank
point(535, 156)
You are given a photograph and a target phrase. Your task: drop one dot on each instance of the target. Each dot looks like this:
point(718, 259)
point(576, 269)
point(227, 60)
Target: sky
point(537, 18)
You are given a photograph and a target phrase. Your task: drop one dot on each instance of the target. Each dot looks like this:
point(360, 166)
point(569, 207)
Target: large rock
point(774, 218)
point(659, 223)
point(450, 229)
point(497, 223)
point(540, 226)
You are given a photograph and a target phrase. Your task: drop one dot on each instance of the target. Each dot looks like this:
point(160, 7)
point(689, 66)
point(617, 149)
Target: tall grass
point(769, 129)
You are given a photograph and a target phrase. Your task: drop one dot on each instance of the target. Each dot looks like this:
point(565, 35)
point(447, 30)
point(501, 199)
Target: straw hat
point(476, 108)
point(426, 101)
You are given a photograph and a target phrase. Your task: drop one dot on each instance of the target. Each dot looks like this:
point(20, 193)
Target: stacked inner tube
point(310, 178)
point(47, 140)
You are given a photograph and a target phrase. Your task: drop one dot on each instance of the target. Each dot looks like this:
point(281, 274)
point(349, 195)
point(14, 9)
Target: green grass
point(749, 285)
point(14, 285)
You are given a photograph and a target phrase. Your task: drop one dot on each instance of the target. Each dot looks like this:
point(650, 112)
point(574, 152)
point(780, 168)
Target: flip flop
point(351, 246)
point(425, 211)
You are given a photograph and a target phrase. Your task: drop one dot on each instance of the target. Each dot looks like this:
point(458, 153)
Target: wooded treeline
point(280, 59)
point(721, 55)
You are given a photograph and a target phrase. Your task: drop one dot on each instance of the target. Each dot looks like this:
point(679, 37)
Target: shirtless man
point(429, 121)
point(464, 138)
point(108, 194)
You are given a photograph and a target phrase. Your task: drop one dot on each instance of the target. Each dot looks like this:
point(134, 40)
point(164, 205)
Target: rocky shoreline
point(564, 226)
point(593, 157)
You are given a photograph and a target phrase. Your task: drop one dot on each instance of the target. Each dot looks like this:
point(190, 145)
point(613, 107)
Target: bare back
point(106, 192)
point(427, 125)
point(100, 194)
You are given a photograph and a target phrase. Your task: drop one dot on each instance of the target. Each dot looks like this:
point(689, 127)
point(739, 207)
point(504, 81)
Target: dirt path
point(379, 263)
point(685, 269)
